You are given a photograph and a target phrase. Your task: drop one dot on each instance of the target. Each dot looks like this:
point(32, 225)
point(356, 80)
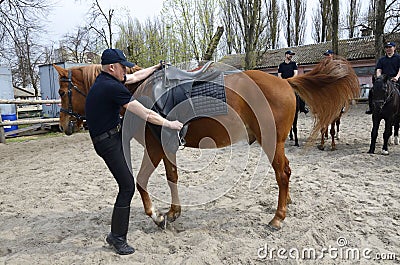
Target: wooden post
point(2, 134)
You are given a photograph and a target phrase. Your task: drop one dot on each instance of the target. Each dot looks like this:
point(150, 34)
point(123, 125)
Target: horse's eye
point(61, 93)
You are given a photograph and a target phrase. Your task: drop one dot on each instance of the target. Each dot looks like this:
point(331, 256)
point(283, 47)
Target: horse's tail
point(329, 87)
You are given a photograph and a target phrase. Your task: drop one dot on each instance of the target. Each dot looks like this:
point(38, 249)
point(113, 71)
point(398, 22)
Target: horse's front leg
point(172, 178)
point(374, 133)
point(151, 158)
point(396, 130)
point(386, 135)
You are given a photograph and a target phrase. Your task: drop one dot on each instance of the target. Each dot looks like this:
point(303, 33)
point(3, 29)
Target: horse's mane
point(91, 71)
point(336, 74)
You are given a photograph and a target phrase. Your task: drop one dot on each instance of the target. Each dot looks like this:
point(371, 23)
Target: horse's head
point(382, 91)
point(73, 91)
point(75, 83)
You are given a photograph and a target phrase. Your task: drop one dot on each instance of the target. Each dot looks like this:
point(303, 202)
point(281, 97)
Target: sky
point(69, 14)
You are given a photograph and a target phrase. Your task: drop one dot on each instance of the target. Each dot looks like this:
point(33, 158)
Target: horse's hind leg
point(172, 177)
point(282, 175)
point(332, 132)
point(337, 128)
point(321, 146)
point(294, 128)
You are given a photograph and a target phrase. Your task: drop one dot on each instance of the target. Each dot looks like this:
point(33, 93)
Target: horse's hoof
point(396, 140)
point(333, 149)
point(273, 228)
point(385, 152)
point(297, 144)
point(163, 223)
point(321, 147)
point(370, 151)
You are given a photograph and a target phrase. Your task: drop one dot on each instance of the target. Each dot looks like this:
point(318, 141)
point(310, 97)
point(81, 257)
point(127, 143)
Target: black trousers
point(111, 150)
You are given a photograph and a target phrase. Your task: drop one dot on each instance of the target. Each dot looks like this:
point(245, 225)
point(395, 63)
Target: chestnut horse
point(261, 108)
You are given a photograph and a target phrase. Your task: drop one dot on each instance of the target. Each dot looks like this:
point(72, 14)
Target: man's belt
point(107, 134)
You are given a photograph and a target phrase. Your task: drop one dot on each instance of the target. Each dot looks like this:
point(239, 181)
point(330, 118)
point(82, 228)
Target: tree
point(299, 21)
point(101, 22)
point(353, 16)
point(144, 44)
point(229, 26)
point(78, 46)
point(273, 26)
point(20, 26)
point(322, 20)
point(379, 26)
point(192, 23)
point(295, 21)
point(251, 25)
point(335, 26)
point(288, 19)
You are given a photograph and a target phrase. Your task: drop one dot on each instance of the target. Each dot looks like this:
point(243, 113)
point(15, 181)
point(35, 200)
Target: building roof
point(352, 49)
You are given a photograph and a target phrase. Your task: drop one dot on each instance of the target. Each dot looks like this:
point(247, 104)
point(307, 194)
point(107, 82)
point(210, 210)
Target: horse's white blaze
point(384, 152)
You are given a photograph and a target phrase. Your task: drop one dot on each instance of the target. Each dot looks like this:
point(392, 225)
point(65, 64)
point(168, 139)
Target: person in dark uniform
point(287, 69)
point(103, 104)
point(388, 65)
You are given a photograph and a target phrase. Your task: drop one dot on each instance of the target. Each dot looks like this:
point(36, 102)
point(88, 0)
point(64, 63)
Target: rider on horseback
point(388, 65)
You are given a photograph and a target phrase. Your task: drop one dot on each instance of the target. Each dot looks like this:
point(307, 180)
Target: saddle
point(185, 96)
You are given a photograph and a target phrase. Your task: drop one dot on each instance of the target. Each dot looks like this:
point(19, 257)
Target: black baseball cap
point(110, 56)
point(290, 52)
point(390, 44)
point(327, 52)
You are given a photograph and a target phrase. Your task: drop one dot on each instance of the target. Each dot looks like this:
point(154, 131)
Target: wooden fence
point(25, 121)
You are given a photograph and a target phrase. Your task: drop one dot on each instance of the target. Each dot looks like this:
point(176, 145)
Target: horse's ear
point(61, 71)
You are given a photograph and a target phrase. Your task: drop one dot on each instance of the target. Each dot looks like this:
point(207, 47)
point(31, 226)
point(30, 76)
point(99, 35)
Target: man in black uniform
point(288, 68)
point(103, 104)
point(388, 65)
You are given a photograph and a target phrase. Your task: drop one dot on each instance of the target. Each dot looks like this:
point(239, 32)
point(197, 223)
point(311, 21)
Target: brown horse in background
point(333, 133)
point(261, 108)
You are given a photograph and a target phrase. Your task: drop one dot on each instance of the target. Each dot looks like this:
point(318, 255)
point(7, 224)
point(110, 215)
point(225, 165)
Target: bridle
point(389, 91)
point(71, 86)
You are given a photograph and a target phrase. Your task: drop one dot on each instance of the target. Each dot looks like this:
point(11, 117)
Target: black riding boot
point(370, 105)
point(119, 229)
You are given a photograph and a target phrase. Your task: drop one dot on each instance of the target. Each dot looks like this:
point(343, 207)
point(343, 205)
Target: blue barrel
point(9, 117)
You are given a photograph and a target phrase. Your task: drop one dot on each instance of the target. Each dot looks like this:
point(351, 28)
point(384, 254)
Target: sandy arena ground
point(56, 198)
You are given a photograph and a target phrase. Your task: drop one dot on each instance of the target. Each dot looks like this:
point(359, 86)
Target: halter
point(71, 86)
point(389, 91)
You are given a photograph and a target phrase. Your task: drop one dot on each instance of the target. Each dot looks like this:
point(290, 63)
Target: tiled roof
point(352, 49)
